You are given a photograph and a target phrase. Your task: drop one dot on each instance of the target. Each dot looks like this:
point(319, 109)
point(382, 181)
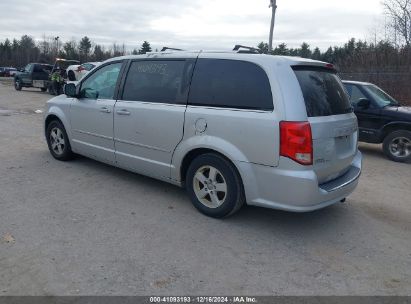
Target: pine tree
point(305, 51)
point(145, 47)
point(263, 47)
point(84, 48)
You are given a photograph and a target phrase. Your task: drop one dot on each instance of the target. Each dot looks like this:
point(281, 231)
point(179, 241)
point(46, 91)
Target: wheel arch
point(71, 73)
point(196, 152)
point(54, 115)
point(394, 126)
point(49, 119)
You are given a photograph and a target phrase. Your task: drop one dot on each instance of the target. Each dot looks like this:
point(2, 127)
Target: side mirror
point(70, 90)
point(363, 103)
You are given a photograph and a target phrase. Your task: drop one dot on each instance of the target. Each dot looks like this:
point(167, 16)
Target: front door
point(92, 114)
point(25, 75)
point(369, 118)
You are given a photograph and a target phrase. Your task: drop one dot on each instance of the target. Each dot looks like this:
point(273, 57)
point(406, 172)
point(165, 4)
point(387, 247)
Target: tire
point(43, 89)
point(58, 141)
point(71, 76)
point(17, 84)
point(397, 146)
point(203, 189)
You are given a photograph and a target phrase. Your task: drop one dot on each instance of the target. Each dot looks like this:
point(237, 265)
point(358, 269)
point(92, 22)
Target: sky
point(193, 24)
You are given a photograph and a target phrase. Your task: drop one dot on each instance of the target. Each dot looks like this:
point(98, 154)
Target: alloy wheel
point(210, 186)
point(400, 147)
point(57, 141)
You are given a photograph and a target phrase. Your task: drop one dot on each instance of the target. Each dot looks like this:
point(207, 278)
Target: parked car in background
point(76, 72)
point(270, 131)
point(33, 75)
point(7, 71)
point(381, 119)
point(10, 72)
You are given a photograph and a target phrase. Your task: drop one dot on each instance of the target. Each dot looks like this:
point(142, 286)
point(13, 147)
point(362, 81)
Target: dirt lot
point(85, 228)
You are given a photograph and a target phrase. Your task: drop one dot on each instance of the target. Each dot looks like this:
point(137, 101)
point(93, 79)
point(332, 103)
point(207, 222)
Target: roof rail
point(169, 48)
point(247, 49)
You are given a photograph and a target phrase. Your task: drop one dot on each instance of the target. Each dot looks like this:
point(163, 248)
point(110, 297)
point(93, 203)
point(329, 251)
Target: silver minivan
point(232, 128)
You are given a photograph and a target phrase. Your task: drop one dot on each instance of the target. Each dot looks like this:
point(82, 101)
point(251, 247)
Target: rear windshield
point(323, 91)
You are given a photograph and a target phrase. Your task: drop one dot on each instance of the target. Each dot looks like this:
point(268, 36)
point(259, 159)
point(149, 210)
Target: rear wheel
point(397, 146)
point(43, 89)
point(17, 84)
point(214, 186)
point(58, 142)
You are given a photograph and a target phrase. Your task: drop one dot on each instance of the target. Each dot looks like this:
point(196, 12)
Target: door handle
point(105, 110)
point(123, 112)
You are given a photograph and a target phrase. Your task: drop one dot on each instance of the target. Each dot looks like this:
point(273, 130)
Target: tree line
point(386, 62)
point(19, 52)
point(354, 56)
point(382, 63)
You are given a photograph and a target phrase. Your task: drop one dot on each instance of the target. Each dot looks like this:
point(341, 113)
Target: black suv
point(381, 119)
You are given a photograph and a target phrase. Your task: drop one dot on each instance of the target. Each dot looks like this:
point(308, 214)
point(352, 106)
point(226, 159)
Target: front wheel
point(17, 84)
point(43, 89)
point(397, 146)
point(58, 142)
point(214, 186)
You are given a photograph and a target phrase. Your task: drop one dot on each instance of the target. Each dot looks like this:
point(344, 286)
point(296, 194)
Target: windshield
point(382, 98)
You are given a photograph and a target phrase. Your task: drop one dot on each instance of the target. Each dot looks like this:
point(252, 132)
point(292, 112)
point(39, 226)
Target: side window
point(160, 81)
point(348, 88)
point(38, 69)
point(102, 83)
point(230, 84)
point(46, 68)
point(356, 95)
point(27, 68)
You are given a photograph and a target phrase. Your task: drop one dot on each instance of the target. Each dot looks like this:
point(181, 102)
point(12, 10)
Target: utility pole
point(273, 6)
point(57, 45)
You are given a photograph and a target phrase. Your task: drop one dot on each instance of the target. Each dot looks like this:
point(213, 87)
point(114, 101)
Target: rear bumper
point(295, 190)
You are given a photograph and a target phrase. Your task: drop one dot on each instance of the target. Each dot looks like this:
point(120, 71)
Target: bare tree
point(399, 12)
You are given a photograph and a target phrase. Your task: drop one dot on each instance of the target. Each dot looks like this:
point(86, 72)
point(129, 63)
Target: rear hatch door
point(333, 124)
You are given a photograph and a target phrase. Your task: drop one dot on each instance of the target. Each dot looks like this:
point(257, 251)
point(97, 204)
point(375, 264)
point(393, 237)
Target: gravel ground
point(84, 228)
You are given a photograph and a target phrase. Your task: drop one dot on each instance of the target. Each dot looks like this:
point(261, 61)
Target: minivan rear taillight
point(296, 141)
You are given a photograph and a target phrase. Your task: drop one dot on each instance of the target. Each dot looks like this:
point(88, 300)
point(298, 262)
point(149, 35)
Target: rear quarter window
point(230, 84)
point(323, 91)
